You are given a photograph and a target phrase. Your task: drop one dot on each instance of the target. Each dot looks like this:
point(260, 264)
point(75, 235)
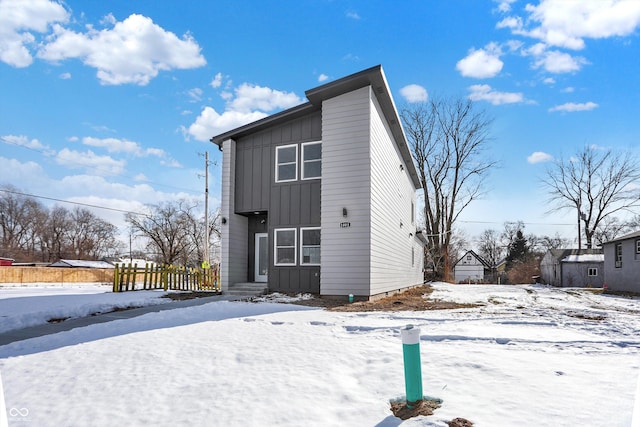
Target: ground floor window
point(593, 271)
point(310, 246)
point(285, 246)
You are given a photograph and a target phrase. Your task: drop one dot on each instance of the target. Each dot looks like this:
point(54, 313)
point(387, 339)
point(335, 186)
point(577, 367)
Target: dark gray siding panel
point(255, 166)
point(301, 279)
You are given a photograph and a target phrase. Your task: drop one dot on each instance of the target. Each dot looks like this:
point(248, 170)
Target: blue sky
point(112, 103)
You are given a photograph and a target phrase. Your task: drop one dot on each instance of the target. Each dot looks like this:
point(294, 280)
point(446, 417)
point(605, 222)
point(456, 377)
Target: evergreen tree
point(518, 250)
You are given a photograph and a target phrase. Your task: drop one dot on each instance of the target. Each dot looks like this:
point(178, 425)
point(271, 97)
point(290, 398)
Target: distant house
point(573, 268)
point(471, 268)
point(622, 263)
point(6, 262)
point(321, 197)
point(79, 263)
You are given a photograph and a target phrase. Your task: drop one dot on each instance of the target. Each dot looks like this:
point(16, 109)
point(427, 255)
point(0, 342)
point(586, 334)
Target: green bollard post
point(412, 367)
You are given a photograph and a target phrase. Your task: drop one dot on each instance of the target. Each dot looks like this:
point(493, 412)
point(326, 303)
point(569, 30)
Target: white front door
point(262, 257)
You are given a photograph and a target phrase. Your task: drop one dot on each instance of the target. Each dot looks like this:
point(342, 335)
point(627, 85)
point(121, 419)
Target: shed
point(573, 267)
point(80, 263)
point(470, 268)
point(6, 262)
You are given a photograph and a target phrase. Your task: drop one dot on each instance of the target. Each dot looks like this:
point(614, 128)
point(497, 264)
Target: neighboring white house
point(321, 197)
point(470, 268)
point(622, 263)
point(573, 268)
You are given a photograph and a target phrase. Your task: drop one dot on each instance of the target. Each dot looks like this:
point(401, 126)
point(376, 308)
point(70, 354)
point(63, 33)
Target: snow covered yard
point(531, 356)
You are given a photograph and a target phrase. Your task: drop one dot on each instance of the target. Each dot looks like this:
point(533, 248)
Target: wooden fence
point(129, 277)
point(58, 275)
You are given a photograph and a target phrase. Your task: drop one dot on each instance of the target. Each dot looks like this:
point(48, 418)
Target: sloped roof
point(584, 258)
point(561, 254)
point(633, 235)
point(80, 263)
point(478, 257)
point(373, 77)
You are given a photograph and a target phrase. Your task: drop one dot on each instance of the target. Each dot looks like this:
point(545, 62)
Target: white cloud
point(481, 63)
point(133, 51)
point(323, 77)
point(566, 24)
point(92, 163)
point(568, 89)
point(549, 81)
point(210, 123)
point(24, 141)
point(195, 94)
point(539, 157)
point(504, 5)
point(485, 93)
point(414, 93)
point(559, 62)
point(65, 76)
point(571, 107)
point(353, 15)
point(18, 20)
point(114, 145)
point(249, 97)
point(217, 81)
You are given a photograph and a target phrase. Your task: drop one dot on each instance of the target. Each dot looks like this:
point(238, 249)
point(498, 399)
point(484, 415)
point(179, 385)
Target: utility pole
point(206, 207)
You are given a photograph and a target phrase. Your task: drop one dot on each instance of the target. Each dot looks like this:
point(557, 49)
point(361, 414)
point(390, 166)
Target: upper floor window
point(287, 163)
point(311, 160)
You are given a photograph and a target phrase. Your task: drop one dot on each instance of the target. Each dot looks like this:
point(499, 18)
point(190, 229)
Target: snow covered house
point(573, 268)
point(622, 263)
point(321, 197)
point(471, 268)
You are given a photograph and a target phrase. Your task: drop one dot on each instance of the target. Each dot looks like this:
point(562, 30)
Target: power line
point(72, 203)
point(84, 165)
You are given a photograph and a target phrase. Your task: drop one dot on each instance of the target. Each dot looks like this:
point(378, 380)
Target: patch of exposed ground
point(181, 296)
point(415, 299)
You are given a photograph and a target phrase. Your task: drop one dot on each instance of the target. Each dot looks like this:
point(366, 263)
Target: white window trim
point(304, 144)
point(594, 269)
point(275, 247)
point(638, 246)
point(302, 245)
point(278, 164)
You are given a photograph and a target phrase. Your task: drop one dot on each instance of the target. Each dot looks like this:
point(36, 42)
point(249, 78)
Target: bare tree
point(167, 228)
point(18, 219)
point(447, 139)
point(491, 247)
point(597, 184)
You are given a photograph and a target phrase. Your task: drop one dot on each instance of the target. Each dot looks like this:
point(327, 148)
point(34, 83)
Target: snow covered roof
point(584, 258)
point(80, 263)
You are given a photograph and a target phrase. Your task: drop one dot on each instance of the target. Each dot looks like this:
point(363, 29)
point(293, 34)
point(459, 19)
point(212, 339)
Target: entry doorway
point(262, 257)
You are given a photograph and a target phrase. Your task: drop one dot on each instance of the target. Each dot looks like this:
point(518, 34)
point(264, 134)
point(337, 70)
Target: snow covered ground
point(530, 356)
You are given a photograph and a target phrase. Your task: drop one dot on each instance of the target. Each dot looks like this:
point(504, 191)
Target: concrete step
point(247, 289)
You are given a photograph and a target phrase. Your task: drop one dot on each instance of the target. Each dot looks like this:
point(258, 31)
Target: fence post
point(116, 278)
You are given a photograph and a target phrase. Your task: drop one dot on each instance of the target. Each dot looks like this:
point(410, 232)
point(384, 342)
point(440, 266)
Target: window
point(285, 246)
point(591, 272)
point(618, 255)
point(413, 213)
point(311, 160)
point(310, 246)
point(638, 246)
point(286, 163)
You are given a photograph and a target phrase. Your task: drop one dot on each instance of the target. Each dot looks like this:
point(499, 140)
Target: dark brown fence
point(129, 277)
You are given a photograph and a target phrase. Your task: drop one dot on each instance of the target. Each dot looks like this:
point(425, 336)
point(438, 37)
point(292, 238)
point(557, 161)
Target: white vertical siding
point(392, 230)
point(233, 268)
point(345, 184)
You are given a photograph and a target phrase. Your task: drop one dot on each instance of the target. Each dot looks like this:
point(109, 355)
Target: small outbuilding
point(573, 268)
point(622, 263)
point(471, 268)
point(6, 262)
point(80, 263)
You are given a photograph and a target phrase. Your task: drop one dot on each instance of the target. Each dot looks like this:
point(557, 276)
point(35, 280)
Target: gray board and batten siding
point(291, 204)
